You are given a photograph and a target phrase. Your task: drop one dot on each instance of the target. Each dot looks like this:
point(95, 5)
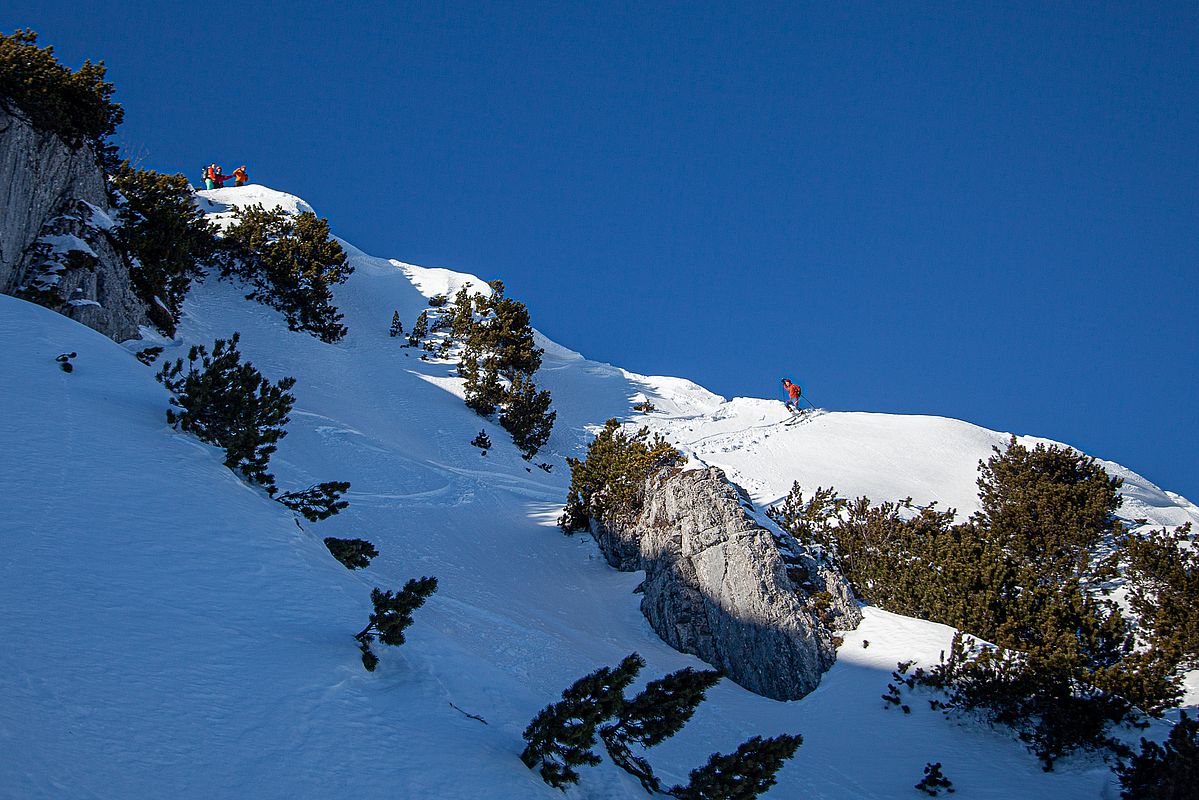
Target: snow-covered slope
point(169, 631)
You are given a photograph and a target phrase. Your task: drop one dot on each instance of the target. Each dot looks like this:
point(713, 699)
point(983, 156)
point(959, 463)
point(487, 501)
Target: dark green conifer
point(149, 355)
point(1162, 570)
point(391, 615)
point(353, 553)
point(292, 262)
point(1164, 772)
point(224, 402)
point(420, 329)
point(166, 232)
point(607, 485)
point(934, 781)
point(482, 441)
point(743, 775)
point(317, 502)
point(652, 717)
point(462, 316)
point(562, 736)
point(527, 416)
point(75, 105)
point(397, 327)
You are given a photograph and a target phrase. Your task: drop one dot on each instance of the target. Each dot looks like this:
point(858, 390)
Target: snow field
point(171, 631)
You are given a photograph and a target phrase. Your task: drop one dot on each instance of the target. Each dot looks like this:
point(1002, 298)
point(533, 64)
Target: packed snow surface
point(169, 631)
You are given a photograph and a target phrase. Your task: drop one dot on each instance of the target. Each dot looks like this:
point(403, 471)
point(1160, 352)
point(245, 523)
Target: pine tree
point(397, 327)
point(562, 735)
point(1162, 570)
point(292, 262)
point(482, 441)
point(1021, 574)
point(392, 614)
point(353, 553)
point(481, 382)
point(77, 106)
point(527, 416)
point(743, 775)
point(462, 316)
point(420, 329)
point(1164, 772)
point(149, 355)
point(607, 485)
point(317, 502)
point(224, 402)
point(652, 717)
point(934, 781)
point(167, 234)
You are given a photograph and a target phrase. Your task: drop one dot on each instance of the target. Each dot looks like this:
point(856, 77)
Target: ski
point(798, 417)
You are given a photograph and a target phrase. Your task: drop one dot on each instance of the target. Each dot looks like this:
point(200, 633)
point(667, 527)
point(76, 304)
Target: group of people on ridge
point(214, 177)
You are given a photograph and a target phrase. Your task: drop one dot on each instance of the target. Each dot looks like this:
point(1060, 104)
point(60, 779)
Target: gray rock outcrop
point(55, 245)
point(720, 586)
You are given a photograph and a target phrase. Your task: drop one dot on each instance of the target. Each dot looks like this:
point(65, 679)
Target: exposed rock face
point(722, 587)
point(55, 246)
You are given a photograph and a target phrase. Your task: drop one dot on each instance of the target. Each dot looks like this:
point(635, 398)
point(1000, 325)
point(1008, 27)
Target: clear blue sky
point(985, 211)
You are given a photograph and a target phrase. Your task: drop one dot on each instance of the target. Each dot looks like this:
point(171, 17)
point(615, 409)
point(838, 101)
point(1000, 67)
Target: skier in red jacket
point(793, 393)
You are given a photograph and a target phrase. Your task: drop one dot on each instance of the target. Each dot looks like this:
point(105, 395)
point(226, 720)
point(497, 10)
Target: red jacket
point(793, 390)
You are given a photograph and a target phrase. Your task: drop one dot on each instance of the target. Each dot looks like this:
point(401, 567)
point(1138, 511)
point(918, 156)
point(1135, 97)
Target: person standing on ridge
point(239, 176)
point(793, 393)
point(220, 177)
point(210, 176)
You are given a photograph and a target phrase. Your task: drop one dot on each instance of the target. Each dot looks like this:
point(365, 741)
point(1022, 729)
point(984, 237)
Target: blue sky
point(985, 211)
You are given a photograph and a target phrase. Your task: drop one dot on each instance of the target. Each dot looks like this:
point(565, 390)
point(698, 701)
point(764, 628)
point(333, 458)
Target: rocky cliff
point(55, 222)
point(722, 587)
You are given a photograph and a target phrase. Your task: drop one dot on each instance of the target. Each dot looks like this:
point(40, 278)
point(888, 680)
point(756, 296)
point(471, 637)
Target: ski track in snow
point(171, 631)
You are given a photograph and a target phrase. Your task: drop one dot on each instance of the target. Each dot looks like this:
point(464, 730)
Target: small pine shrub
point(743, 775)
point(225, 402)
point(1020, 573)
point(462, 315)
point(75, 105)
point(163, 229)
point(353, 553)
point(438, 300)
point(292, 262)
point(149, 355)
point(652, 717)
point(420, 329)
point(934, 781)
point(482, 441)
point(392, 614)
point(397, 327)
point(1162, 569)
point(1164, 772)
point(527, 416)
point(645, 407)
point(562, 735)
point(317, 502)
point(608, 484)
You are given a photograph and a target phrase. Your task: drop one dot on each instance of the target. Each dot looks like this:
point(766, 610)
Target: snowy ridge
point(882, 456)
point(171, 631)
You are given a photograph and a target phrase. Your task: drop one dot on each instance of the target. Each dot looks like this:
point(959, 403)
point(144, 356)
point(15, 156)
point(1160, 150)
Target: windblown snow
point(169, 631)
